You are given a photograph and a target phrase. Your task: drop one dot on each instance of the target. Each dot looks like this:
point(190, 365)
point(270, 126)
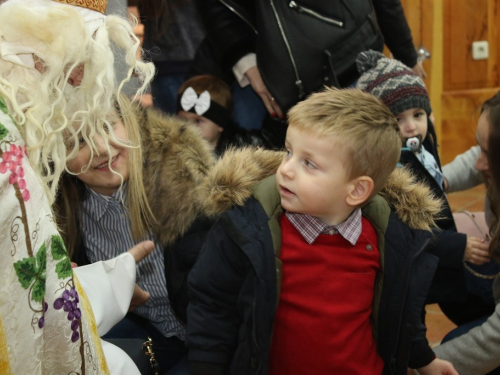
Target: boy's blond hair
point(361, 127)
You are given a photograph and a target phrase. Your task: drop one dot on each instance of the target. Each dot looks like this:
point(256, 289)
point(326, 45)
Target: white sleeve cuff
point(239, 69)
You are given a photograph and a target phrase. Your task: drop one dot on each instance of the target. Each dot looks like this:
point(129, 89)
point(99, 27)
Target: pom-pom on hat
point(97, 5)
point(399, 87)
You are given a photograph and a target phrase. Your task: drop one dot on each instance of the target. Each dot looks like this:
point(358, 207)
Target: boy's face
point(312, 179)
point(412, 122)
point(209, 130)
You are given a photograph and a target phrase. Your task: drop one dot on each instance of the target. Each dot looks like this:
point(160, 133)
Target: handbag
point(141, 352)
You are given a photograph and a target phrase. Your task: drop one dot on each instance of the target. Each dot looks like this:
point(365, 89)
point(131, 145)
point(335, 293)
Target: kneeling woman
point(144, 184)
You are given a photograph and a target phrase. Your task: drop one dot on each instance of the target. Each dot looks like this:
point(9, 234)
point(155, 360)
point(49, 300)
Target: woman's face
point(99, 177)
point(482, 135)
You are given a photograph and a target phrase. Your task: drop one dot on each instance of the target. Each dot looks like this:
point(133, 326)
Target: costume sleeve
point(109, 286)
point(214, 285)
point(395, 29)
point(475, 352)
point(460, 173)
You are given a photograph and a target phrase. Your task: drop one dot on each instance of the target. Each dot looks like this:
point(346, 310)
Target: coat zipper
point(312, 13)
point(393, 356)
point(298, 81)
point(232, 9)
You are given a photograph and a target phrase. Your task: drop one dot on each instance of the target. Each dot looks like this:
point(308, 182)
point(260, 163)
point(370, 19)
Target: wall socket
point(480, 50)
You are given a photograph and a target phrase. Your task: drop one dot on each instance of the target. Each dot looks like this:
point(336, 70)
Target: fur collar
point(183, 181)
point(232, 181)
point(176, 162)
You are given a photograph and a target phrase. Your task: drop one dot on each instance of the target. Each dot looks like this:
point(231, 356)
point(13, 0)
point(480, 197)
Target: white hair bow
point(200, 103)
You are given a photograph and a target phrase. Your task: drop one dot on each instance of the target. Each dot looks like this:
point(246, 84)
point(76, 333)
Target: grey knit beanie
point(393, 82)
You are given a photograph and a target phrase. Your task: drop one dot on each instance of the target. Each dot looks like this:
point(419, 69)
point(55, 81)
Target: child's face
point(99, 177)
point(209, 130)
point(312, 179)
point(413, 122)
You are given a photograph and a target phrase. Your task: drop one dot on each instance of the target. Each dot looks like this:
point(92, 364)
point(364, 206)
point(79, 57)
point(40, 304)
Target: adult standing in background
point(287, 49)
point(173, 30)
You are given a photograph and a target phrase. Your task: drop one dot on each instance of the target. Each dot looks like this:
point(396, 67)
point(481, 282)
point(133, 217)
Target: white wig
point(62, 39)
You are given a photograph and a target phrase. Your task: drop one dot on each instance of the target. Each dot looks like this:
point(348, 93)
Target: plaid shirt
point(311, 227)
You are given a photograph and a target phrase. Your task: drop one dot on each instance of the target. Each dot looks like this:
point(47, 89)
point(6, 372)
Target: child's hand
point(438, 367)
point(476, 251)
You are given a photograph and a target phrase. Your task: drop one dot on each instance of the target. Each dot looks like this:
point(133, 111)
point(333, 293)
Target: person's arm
point(475, 352)
point(214, 285)
point(460, 174)
point(229, 36)
point(395, 29)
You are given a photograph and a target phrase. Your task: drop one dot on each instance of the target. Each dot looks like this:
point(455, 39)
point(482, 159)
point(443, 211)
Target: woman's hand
point(476, 251)
point(260, 88)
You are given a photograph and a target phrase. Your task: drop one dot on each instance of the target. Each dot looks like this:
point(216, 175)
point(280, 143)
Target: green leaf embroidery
point(3, 106)
point(3, 131)
point(38, 291)
point(63, 269)
point(31, 271)
point(41, 259)
point(26, 271)
point(58, 249)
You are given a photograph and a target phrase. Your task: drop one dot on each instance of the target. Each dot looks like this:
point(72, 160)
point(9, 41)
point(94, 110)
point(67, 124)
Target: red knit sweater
point(323, 325)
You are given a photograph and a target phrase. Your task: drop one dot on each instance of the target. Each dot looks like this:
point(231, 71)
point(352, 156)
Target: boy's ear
point(360, 190)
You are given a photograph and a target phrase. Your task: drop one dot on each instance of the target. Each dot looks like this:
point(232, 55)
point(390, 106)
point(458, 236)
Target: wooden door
point(457, 83)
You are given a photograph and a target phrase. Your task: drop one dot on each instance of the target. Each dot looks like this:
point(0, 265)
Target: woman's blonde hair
point(365, 131)
point(43, 104)
point(72, 190)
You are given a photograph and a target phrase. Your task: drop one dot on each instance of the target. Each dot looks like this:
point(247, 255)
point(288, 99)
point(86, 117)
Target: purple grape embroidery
point(69, 303)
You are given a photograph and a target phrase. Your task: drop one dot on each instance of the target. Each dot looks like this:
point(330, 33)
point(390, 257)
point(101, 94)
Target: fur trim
point(412, 201)
point(233, 178)
point(176, 161)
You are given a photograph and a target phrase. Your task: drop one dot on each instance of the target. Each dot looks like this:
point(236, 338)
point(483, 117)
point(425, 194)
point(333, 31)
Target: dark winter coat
point(449, 282)
point(234, 284)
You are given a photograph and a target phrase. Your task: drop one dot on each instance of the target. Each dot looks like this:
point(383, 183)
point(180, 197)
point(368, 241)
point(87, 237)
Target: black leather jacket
point(233, 27)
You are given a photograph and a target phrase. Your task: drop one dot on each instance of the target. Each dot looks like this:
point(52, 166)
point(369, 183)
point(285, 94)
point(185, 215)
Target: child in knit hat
point(405, 94)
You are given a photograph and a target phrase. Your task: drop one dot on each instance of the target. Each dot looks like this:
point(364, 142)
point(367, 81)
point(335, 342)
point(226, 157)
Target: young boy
point(314, 274)
point(405, 94)
point(206, 101)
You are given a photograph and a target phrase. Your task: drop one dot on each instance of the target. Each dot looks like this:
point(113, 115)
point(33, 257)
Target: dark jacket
point(233, 29)
point(234, 285)
point(447, 244)
point(271, 136)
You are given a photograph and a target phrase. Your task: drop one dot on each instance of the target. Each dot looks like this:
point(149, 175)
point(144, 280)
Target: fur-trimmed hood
point(183, 181)
point(232, 181)
point(176, 162)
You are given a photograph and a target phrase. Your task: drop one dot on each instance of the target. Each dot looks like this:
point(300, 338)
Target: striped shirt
point(106, 234)
point(311, 227)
